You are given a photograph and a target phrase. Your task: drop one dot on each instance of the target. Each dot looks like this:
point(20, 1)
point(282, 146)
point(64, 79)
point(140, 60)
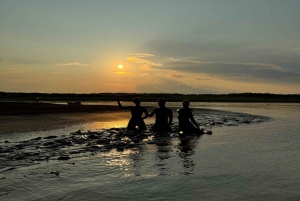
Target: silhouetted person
point(164, 117)
point(184, 116)
point(136, 112)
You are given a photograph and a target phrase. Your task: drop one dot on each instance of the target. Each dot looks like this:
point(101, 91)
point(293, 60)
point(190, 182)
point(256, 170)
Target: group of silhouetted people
point(164, 117)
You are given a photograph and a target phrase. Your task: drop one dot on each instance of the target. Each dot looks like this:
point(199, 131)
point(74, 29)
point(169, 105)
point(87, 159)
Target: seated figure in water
point(136, 115)
point(164, 117)
point(187, 123)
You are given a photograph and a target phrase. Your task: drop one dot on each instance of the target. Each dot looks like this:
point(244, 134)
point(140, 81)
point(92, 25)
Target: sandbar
point(24, 117)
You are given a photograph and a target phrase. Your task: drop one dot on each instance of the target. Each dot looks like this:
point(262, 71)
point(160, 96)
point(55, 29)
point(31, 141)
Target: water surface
point(248, 157)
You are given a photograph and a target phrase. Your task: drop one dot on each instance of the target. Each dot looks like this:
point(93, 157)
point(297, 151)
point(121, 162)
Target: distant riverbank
point(151, 97)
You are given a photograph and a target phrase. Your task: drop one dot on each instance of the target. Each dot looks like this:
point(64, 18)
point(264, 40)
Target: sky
point(164, 46)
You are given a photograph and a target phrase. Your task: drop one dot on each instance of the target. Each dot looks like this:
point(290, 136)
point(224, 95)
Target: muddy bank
point(79, 143)
point(26, 123)
point(18, 117)
point(24, 108)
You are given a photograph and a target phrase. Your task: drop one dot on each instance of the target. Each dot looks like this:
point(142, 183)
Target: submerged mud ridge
point(86, 143)
point(209, 118)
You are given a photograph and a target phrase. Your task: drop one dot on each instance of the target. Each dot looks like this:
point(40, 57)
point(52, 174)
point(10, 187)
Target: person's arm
point(194, 122)
point(192, 119)
point(146, 113)
point(120, 105)
point(152, 113)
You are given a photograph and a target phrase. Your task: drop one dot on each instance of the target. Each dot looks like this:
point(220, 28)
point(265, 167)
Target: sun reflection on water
point(121, 159)
point(110, 124)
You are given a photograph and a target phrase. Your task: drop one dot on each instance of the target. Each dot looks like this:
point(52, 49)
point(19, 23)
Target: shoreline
point(44, 122)
point(25, 108)
point(18, 117)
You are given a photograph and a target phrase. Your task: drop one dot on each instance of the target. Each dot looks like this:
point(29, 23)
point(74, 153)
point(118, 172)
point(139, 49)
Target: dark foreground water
point(253, 154)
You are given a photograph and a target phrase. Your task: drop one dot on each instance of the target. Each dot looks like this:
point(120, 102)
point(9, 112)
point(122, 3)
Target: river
point(253, 154)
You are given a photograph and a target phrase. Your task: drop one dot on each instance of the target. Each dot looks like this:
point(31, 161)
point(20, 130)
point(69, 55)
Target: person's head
point(137, 101)
point(161, 102)
point(185, 103)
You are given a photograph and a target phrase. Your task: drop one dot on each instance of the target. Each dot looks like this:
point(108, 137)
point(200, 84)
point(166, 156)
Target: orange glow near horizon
point(121, 72)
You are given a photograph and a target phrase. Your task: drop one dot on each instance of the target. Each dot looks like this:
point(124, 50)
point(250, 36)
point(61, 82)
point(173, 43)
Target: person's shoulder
point(189, 109)
point(179, 110)
point(164, 108)
point(155, 109)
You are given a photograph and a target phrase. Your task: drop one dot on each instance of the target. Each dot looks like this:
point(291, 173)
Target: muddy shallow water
point(252, 154)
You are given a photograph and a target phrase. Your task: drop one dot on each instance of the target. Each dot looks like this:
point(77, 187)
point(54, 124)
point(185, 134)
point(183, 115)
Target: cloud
point(15, 71)
point(199, 46)
point(179, 75)
point(290, 49)
point(145, 75)
point(192, 71)
point(187, 75)
point(208, 45)
point(141, 55)
point(19, 60)
point(185, 64)
point(202, 79)
point(262, 66)
point(73, 64)
point(122, 73)
point(140, 60)
point(164, 85)
point(58, 73)
point(3, 60)
point(145, 64)
point(229, 69)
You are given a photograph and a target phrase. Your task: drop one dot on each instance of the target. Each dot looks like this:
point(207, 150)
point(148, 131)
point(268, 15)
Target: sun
point(120, 66)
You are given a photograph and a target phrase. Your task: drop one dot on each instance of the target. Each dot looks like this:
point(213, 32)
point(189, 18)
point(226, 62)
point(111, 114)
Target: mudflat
point(23, 117)
point(25, 108)
point(26, 123)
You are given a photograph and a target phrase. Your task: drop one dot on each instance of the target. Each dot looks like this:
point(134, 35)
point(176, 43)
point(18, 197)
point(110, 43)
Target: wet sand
point(24, 117)
point(26, 123)
point(25, 108)
point(42, 148)
point(242, 160)
point(78, 143)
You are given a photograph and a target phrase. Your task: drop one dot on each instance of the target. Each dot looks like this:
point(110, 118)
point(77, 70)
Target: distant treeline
point(234, 97)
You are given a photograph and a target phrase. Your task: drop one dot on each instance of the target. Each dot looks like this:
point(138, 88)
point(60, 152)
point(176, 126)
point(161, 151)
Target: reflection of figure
point(187, 148)
point(164, 117)
point(184, 117)
point(162, 154)
point(136, 112)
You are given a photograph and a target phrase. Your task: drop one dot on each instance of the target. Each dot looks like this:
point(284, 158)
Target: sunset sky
point(164, 46)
